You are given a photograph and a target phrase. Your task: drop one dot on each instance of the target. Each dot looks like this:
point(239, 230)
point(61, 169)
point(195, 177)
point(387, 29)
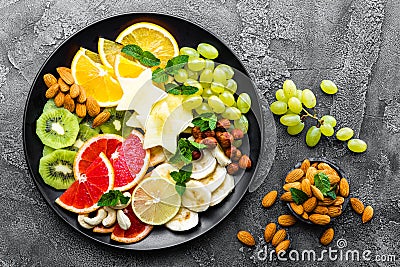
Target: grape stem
point(315, 117)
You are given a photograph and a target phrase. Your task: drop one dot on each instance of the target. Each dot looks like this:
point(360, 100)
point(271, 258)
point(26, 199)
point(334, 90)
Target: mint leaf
point(112, 198)
point(133, 50)
point(206, 121)
point(185, 150)
point(322, 182)
point(180, 188)
point(299, 197)
point(331, 194)
point(197, 145)
point(176, 63)
point(181, 177)
point(175, 89)
point(149, 60)
point(159, 76)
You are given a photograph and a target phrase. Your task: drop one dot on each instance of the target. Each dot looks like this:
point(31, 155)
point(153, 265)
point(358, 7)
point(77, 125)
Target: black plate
point(186, 34)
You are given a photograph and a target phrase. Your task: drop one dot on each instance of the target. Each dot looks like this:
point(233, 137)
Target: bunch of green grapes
point(292, 104)
point(216, 86)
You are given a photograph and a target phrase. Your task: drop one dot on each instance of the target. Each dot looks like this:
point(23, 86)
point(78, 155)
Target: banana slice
point(204, 166)
point(223, 190)
point(164, 170)
point(157, 156)
point(196, 196)
point(214, 180)
point(219, 154)
point(183, 220)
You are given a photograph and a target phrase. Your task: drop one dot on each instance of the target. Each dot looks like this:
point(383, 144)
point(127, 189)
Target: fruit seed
point(357, 205)
point(269, 199)
point(294, 176)
point(327, 236)
point(66, 75)
point(101, 118)
point(246, 238)
point(49, 79)
point(279, 236)
point(52, 91)
point(269, 232)
point(367, 214)
point(286, 220)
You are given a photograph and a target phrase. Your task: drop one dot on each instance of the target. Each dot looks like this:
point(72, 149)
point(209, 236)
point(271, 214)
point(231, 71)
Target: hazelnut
point(237, 155)
point(225, 139)
point(245, 162)
point(208, 133)
point(237, 134)
point(196, 132)
point(196, 155)
point(198, 140)
point(224, 123)
point(210, 142)
point(230, 152)
point(232, 168)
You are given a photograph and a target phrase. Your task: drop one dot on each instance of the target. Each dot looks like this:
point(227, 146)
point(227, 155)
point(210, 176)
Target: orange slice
point(107, 51)
point(126, 68)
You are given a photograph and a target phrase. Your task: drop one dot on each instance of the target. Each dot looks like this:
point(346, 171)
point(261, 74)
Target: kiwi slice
point(57, 169)
point(57, 128)
point(51, 105)
point(85, 133)
point(47, 150)
point(114, 123)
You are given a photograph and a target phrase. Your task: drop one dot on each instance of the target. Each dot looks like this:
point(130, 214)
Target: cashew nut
point(123, 220)
point(120, 206)
point(96, 220)
point(111, 217)
point(82, 223)
point(220, 156)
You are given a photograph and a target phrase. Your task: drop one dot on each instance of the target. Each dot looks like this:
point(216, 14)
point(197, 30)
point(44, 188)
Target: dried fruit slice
point(135, 233)
point(82, 196)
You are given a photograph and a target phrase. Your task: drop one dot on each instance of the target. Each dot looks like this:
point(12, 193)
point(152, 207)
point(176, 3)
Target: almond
point(298, 209)
point(294, 175)
point(317, 193)
point(344, 188)
point(367, 214)
point(278, 237)
point(74, 90)
point(92, 107)
point(269, 199)
point(327, 236)
point(269, 232)
point(52, 91)
point(320, 219)
point(286, 220)
point(321, 210)
point(333, 179)
point(314, 165)
point(326, 202)
point(82, 95)
point(80, 110)
point(310, 174)
point(306, 187)
point(304, 216)
point(310, 204)
point(63, 86)
point(246, 238)
point(69, 103)
point(287, 197)
point(330, 172)
point(357, 205)
point(296, 185)
point(49, 79)
point(101, 118)
point(338, 201)
point(334, 211)
point(283, 246)
point(305, 165)
point(66, 75)
point(59, 99)
point(324, 166)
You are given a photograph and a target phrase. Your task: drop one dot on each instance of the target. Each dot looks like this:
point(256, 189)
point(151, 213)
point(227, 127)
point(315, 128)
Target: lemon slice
point(95, 79)
point(151, 37)
point(127, 68)
point(155, 201)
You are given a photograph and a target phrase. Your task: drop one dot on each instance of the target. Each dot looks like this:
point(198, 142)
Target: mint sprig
point(161, 75)
point(299, 197)
point(185, 150)
point(322, 182)
point(146, 58)
point(175, 89)
point(206, 121)
point(112, 198)
point(181, 177)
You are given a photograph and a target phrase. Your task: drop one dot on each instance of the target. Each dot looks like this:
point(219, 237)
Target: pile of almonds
point(317, 208)
point(72, 96)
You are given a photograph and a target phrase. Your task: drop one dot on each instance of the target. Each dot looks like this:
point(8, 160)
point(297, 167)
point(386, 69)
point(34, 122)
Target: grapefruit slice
point(89, 151)
point(135, 233)
point(130, 162)
point(82, 196)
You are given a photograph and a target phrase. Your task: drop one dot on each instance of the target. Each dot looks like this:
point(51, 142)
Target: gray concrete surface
point(355, 43)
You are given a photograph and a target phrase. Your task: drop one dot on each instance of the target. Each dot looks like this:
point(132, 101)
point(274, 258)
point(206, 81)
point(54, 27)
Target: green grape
point(231, 86)
point(203, 108)
point(290, 112)
point(188, 51)
point(289, 88)
point(242, 123)
point(209, 64)
point(237, 143)
point(244, 103)
point(278, 107)
point(192, 101)
point(295, 105)
point(228, 98)
point(216, 104)
point(196, 63)
point(327, 129)
point(313, 135)
point(207, 92)
point(280, 96)
point(227, 69)
point(328, 119)
point(191, 74)
point(231, 113)
point(217, 87)
point(219, 76)
point(299, 94)
point(206, 76)
point(344, 134)
point(181, 76)
point(290, 120)
point(308, 98)
point(329, 87)
point(207, 50)
point(294, 130)
point(357, 145)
